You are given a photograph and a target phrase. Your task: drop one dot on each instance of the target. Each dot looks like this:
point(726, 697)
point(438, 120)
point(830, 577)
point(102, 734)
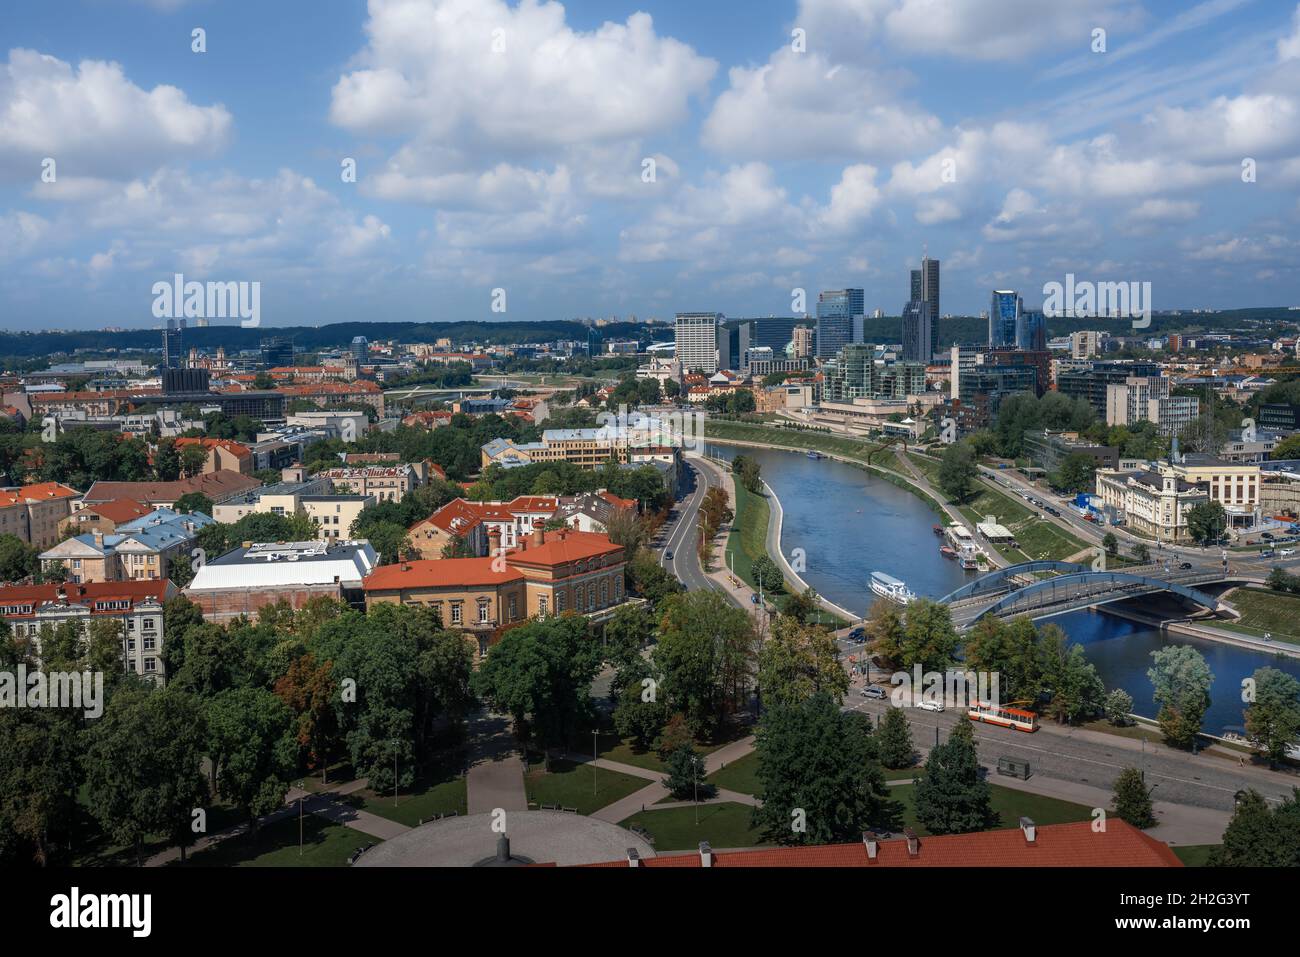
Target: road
point(682, 535)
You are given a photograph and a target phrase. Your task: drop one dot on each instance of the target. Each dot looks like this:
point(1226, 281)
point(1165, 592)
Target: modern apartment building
point(697, 341)
point(1148, 399)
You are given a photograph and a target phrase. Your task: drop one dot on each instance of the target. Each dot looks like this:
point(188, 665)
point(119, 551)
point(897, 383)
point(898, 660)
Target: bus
point(1003, 716)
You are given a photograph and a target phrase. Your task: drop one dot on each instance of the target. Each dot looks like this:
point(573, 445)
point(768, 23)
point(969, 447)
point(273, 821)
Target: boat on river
point(891, 588)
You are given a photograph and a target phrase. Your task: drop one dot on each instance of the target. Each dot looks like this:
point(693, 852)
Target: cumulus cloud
point(93, 121)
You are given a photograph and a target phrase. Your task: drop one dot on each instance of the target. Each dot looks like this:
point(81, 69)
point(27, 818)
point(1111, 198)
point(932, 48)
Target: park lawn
point(431, 795)
point(1194, 855)
point(1009, 804)
point(569, 784)
point(1266, 610)
point(1135, 731)
point(740, 775)
point(325, 844)
point(927, 466)
point(748, 538)
point(722, 825)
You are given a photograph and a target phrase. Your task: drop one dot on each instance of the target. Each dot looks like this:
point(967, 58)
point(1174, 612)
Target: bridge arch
point(998, 578)
point(1007, 604)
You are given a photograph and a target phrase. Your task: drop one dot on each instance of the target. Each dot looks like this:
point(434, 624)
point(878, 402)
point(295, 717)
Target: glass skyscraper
point(835, 312)
point(1005, 308)
point(918, 332)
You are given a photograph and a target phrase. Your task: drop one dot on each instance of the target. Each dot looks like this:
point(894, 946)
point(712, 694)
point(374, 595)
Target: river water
point(850, 523)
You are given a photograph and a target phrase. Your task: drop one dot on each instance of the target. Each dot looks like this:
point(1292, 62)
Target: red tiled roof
point(231, 446)
point(221, 482)
point(440, 573)
point(39, 492)
point(36, 595)
point(562, 547)
point(1055, 845)
point(118, 511)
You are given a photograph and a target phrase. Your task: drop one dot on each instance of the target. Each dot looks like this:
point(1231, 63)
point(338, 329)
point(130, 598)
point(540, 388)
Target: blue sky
point(988, 130)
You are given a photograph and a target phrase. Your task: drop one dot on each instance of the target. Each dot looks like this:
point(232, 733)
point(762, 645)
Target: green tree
point(542, 671)
point(798, 661)
point(884, 631)
point(768, 573)
point(1075, 473)
point(1259, 835)
point(194, 501)
point(639, 714)
point(252, 749)
point(957, 471)
point(686, 775)
point(1181, 680)
point(40, 772)
point(1076, 689)
point(1111, 544)
point(929, 637)
point(1273, 717)
point(1132, 800)
point(1206, 522)
point(705, 648)
point(1119, 705)
point(951, 797)
point(819, 772)
point(142, 766)
point(1140, 552)
point(894, 738)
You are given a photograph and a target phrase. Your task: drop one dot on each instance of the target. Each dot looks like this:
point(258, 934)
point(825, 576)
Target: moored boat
point(891, 588)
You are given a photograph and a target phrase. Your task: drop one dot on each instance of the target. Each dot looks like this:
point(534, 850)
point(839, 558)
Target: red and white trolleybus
point(1005, 717)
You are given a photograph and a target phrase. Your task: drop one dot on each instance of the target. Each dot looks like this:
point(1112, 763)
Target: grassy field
point(1266, 610)
point(1009, 804)
point(1194, 855)
point(569, 784)
point(276, 845)
point(440, 794)
point(740, 775)
point(748, 538)
point(722, 825)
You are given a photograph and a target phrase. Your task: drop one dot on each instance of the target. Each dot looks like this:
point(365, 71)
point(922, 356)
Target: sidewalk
point(496, 774)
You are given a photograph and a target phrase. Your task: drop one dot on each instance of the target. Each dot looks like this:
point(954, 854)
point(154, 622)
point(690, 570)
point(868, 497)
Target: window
point(541, 606)
point(514, 608)
point(484, 610)
point(455, 613)
point(559, 600)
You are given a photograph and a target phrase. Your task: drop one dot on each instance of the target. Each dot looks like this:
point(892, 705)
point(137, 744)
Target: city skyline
point(810, 145)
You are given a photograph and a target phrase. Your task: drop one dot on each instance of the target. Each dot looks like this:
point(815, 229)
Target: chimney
point(99, 538)
point(1030, 830)
point(406, 567)
point(539, 536)
point(706, 854)
point(913, 843)
point(872, 844)
point(633, 858)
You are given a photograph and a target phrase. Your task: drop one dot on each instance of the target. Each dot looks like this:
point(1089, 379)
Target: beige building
point(334, 514)
point(1234, 485)
point(34, 513)
point(1151, 503)
point(384, 483)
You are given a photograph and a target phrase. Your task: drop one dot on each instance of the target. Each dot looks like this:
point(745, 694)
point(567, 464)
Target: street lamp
point(302, 792)
point(594, 756)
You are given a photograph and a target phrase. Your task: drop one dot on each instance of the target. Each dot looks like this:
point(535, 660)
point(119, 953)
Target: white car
point(931, 705)
point(1286, 551)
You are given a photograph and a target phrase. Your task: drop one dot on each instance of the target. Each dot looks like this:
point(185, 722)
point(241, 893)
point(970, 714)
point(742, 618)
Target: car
point(931, 705)
point(669, 554)
point(874, 691)
point(1185, 565)
point(1268, 636)
point(754, 598)
point(1267, 536)
point(1266, 553)
point(857, 634)
point(1286, 551)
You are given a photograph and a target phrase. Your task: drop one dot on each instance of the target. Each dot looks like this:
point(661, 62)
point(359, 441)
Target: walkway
point(496, 773)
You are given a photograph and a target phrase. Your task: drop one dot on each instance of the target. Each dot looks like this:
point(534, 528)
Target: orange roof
point(456, 516)
point(133, 591)
point(533, 503)
point(231, 446)
point(39, 492)
point(1055, 845)
point(616, 501)
point(440, 573)
point(119, 510)
point(562, 547)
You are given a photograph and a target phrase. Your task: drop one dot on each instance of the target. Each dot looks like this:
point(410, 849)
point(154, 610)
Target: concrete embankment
point(1207, 632)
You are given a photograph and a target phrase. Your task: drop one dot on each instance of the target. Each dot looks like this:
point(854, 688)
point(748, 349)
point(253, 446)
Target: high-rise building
point(1091, 383)
point(802, 339)
point(174, 344)
point(773, 333)
point(1084, 344)
point(1031, 333)
point(1005, 309)
point(361, 350)
point(277, 352)
point(918, 328)
point(734, 340)
point(835, 311)
point(856, 373)
point(925, 281)
point(593, 342)
point(697, 341)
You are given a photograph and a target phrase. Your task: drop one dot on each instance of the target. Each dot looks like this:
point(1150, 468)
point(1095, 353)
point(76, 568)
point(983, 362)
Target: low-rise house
point(103, 517)
point(34, 513)
point(591, 511)
point(138, 605)
point(222, 454)
point(139, 550)
point(386, 483)
point(247, 578)
point(548, 573)
point(219, 487)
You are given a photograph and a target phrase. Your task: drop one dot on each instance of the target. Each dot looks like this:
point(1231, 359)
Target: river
point(850, 523)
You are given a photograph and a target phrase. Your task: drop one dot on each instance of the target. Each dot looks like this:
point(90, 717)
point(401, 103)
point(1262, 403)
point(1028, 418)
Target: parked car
point(1267, 536)
point(857, 634)
point(1266, 553)
point(874, 691)
point(1286, 551)
point(1185, 565)
point(931, 706)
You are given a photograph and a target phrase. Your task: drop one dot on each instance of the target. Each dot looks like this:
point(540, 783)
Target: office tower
point(173, 344)
point(734, 340)
point(1031, 332)
point(593, 342)
point(277, 353)
point(1005, 308)
point(772, 333)
point(963, 358)
point(697, 341)
point(360, 350)
point(835, 311)
point(929, 292)
point(802, 340)
point(918, 286)
point(918, 328)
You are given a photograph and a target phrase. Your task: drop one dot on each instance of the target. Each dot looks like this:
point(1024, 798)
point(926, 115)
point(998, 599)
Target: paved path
point(496, 773)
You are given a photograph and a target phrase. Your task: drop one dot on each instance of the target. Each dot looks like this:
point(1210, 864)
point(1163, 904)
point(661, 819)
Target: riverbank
point(1205, 632)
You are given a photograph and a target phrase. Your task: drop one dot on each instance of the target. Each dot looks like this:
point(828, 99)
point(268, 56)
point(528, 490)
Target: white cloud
point(1288, 47)
point(430, 71)
point(93, 121)
point(1165, 211)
